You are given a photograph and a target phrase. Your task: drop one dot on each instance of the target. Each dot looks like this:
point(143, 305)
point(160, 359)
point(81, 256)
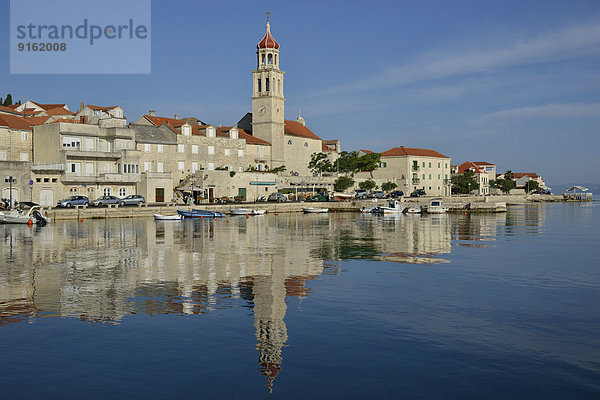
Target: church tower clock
point(267, 97)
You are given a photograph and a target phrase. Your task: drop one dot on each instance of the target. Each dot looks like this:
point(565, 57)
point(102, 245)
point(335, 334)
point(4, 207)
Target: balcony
point(111, 155)
point(101, 178)
point(48, 167)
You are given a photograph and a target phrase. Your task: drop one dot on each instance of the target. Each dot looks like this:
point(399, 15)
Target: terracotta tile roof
point(158, 121)
point(294, 128)
point(30, 111)
point(69, 121)
point(324, 147)
point(409, 151)
point(91, 107)
point(251, 139)
point(49, 106)
point(518, 175)
point(482, 163)
point(14, 122)
point(366, 151)
point(58, 111)
point(14, 106)
point(8, 110)
point(469, 166)
point(38, 120)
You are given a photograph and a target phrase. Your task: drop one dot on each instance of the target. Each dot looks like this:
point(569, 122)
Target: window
point(194, 166)
point(23, 136)
point(71, 142)
point(122, 192)
point(46, 180)
point(305, 144)
point(54, 180)
point(290, 141)
point(89, 168)
point(181, 148)
point(38, 179)
point(24, 157)
point(160, 148)
point(147, 148)
point(89, 144)
point(107, 191)
point(430, 165)
point(227, 152)
point(423, 176)
point(181, 165)
point(74, 168)
point(159, 167)
point(439, 176)
point(211, 149)
point(429, 176)
point(186, 130)
point(211, 166)
point(195, 149)
point(210, 132)
point(240, 153)
point(240, 169)
point(259, 86)
point(423, 164)
point(438, 165)
point(3, 155)
point(233, 134)
point(147, 166)
point(267, 85)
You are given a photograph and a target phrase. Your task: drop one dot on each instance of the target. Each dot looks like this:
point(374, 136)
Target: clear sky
point(516, 83)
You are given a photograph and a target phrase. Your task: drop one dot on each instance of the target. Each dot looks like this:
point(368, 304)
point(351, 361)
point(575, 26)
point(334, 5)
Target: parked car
point(278, 197)
point(105, 200)
point(378, 194)
point(74, 201)
point(360, 193)
point(397, 193)
point(418, 193)
point(319, 197)
point(133, 199)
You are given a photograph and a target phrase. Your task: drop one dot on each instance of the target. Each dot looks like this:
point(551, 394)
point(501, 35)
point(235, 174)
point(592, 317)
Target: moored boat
point(416, 209)
point(160, 217)
point(17, 216)
point(341, 196)
point(394, 207)
point(436, 206)
point(246, 211)
point(314, 210)
point(200, 214)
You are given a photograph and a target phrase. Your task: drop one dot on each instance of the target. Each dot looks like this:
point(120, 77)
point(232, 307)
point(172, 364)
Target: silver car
point(105, 200)
point(133, 199)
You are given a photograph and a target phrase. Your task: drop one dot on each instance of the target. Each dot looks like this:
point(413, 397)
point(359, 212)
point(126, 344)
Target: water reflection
point(103, 271)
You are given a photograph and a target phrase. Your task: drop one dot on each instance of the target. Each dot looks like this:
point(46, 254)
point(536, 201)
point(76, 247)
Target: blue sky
point(516, 83)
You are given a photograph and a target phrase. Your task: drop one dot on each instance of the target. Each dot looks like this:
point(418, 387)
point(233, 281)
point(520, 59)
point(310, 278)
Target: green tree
point(369, 184)
point(507, 183)
point(531, 186)
point(279, 169)
point(342, 183)
point(8, 101)
point(319, 163)
point(464, 183)
point(369, 162)
point(388, 186)
point(351, 162)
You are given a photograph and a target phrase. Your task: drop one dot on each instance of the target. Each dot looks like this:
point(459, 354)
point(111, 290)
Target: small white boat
point(436, 206)
point(416, 209)
point(393, 207)
point(17, 216)
point(342, 196)
point(314, 210)
point(246, 211)
point(160, 217)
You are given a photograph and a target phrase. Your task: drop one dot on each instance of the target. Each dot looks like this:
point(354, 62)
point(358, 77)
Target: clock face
point(262, 109)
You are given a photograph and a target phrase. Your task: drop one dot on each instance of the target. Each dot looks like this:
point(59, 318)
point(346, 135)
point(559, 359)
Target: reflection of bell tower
point(267, 97)
point(269, 311)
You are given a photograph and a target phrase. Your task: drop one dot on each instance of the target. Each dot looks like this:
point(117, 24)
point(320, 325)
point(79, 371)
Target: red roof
point(482, 163)
point(268, 41)
point(14, 122)
point(295, 128)
point(366, 151)
point(518, 175)
point(158, 121)
point(91, 107)
point(469, 166)
point(49, 106)
point(58, 111)
point(408, 151)
point(8, 110)
point(242, 134)
point(324, 147)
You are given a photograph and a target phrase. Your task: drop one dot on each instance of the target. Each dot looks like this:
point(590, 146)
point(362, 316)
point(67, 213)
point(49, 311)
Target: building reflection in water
point(102, 271)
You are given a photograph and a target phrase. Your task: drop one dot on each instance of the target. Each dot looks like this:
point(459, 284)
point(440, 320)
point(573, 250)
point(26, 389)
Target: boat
point(341, 196)
point(18, 216)
point(393, 207)
point(160, 217)
point(314, 210)
point(368, 209)
point(246, 211)
point(436, 206)
point(416, 209)
point(200, 214)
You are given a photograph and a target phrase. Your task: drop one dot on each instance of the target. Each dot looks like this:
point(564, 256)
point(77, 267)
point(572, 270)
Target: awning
point(261, 183)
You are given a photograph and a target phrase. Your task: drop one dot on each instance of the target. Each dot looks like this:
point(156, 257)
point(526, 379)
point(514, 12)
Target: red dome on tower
point(268, 41)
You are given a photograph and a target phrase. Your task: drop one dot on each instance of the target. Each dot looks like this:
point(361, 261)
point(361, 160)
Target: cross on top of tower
point(268, 14)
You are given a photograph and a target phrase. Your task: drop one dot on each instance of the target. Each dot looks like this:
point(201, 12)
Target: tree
point(279, 169)
point(8, 101)
point(531, 186)
point(464, 183)
point(342, 183)
point(369, 184)
point(369, 162)
point(351, 162)
point(507, 183)
point(319, 163)
point(388, 186)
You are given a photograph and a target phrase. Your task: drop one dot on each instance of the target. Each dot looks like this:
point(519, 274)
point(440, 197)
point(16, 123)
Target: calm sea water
point(305, 307)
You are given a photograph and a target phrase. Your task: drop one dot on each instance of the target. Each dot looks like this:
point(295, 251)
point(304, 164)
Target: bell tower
point(267, 97)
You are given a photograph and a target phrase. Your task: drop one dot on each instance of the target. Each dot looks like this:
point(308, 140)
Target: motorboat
point(368, 209)
point(416, 209)
point(394, 207)
point(160, 217)
point(246, 211)
point(314, 210)
point(341, 196)
point(200, 213)
point(18, 216)
point(436, 206)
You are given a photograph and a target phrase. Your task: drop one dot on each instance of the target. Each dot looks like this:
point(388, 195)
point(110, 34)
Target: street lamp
point(10, 180)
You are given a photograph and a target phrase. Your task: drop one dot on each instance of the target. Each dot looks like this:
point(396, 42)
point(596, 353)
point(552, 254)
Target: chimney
point(81, 106)
point(176, 116)
point(152, 113)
